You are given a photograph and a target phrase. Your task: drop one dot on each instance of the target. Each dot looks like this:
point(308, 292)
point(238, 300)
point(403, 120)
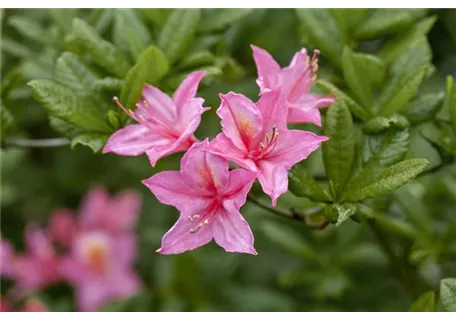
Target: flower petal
point(63, 226)
point(134, 140)
point(241, 120)
point(6, 258)
point(274, 110)
point(157, 104)
point(124, 284)
point(267, 69)
point(124, 210)
point(94, 208)
point(239, 185)
point(191, 110)
point(123, 247)
point(306, 110)
point(179, 238)
point(317, 100)
point(231, 230)
point(294, 146)
point(38, 243)
point(273, 178)
point(92, 295)
point(187, 89)
point(296, 79)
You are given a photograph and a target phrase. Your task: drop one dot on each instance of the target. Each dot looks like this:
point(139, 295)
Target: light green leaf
point(378, 123)
point(450, 101)
point(323, 32)
point(302, 184)
point(178, 32)
point(217, 19)
point(196, 59)
point(108, 84)
point(385, 181)
point(425, 303)
point(423, 108)
point(151, 67)
point(339, 213)
point(104, 53)
point(448, 294)
point(101, 18)
point(412, 59)
point(91, 140)
point(354, 107)
point(349, 19)
point(157, 16)
point(338, 151)
point(64, 17)
point(62, 103)
point(30, 29)
point(72, 73)
point(387, 149)
point(385, 21)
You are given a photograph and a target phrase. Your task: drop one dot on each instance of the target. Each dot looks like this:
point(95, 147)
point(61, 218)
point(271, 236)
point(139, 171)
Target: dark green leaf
point(197, 59)
point(217, 19)
point(72, 73)
point(450, 101)
point(412, 59)
point(339, 150)
point(302, 184)
point(349, 19)
point(178, 32)
point(91, 140)
point(448, 294)
point(387, 149)
point(425, 303)
point(423, 108)
point(6, 119)
point(157, 16)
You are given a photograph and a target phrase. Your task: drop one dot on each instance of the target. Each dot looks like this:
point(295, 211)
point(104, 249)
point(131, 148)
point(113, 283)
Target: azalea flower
point(6, 258)
point(63, 227)
point(208, 197)
point(165, 126)
point(100, 267)
point(255, 136)
point(295, 82)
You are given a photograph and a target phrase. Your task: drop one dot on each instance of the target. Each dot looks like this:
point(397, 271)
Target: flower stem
point(36, 143)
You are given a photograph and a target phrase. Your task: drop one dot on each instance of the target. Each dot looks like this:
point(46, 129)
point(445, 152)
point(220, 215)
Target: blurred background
point(298, 268)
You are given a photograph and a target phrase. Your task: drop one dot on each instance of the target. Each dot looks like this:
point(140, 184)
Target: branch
point(36, 143)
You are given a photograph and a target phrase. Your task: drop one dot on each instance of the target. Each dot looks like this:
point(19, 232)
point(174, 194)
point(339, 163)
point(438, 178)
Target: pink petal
point(170, 189)
point(302, 114)
point(63, 226)
point(92, 295)
point(187, 89)
point(124, 285)
point(294, 146)
point(274, 110)
point(296, 79)
point(222, 146)
point(267, 69)
point(241, 121)
point(179, 238)
point(191, 110)
point(316, 101)
point(231, 231)
point(124, 210)
point(159, 105)
point(6, 258)
point(239, 185)
point(273, 179)
point(38, 243)
point(73, 270)
point(134, 140)
point(203, 171)
point(95, 209)
point(124, 250)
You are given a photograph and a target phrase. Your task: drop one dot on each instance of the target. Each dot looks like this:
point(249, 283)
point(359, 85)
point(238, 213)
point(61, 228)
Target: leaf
point(302, 184)
point(339, 150)
point(30, 29)
point(323, 32)
point(412, 59)
point(104, 53)
point(385, 21)
point(423, 108)
point(157, 16)
point(379, 124)
point(387, 149)
point(349, 19)
point(425, 303)
point(72, 73)
point(62, 103)
point(108, 84)
point(64, 17)
point(93, 141)
point(6, 119)
point(101, 19)
point(179, 32)
point(196, 59)
point(450, 101)
point(386, 181)
point(448, 294)
point(339, 213)
point(217, 19)
point(151, 67)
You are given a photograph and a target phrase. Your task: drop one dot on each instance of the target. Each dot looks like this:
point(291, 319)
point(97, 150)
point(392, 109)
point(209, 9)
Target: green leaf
point(64, 128)
point(339, 150)
point(151, 67)
point(179, 32)
point(425, 303)
point(94, 141)
point(354, 107)
point(62, 103)
point(379, 124)
point(104, 53)
point(6, 119)
point(196, 59)
point(339, 213)
point(302, 184)
point(387, 149)
point(450, 101)
point(72, 73)
point(108, 84)
point(349, 19)
point(448, 294)
point(30, 29)
point(385, 21)
point(423, 108)
point(129, 33)
point(412, 59)
point(101, 19)
point(323, 32)
point(394, 48)
point(157, 16)
point(64, 17)
point(217, 19)
point(385, 181)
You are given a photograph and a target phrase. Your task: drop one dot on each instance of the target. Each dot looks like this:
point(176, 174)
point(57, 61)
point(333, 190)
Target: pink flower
point(6, 258)
point(38, 267)
point(208, 197)
point(34, 305)
point(295, 82)
point(63, 227)
point(255, 136)
point(100, 268)
point(165, 125)
point(4, 305)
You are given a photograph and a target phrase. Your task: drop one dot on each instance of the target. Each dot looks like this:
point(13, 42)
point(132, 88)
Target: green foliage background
point(395, 116)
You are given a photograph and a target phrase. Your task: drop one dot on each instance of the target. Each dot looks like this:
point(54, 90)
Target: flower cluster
point(254, 136)
point(93, 250)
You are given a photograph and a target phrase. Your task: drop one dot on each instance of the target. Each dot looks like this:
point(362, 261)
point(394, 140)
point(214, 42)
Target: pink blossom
point(4, 305)
point(208, 197)
point(295, 82)
point(165, 125)
point(100, 267)
point(34, 305)
point(6, 258)
point(255, 136)
point(63, 227)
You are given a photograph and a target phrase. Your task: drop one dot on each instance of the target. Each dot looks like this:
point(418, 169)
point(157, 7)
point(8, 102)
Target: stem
point(36, 143)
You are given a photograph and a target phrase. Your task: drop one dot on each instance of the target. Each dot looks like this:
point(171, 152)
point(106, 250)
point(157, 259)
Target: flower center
point(204, 219)
point(268, 144)
point(96, 258)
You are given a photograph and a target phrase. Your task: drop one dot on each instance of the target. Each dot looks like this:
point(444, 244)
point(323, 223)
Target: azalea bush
point(300, 165)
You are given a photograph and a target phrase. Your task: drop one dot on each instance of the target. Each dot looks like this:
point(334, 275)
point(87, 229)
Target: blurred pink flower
point(34, 305)
point(63, 227)
point(165, 125)
point(208, 197)
point(100, 267)
point(255, 136)
point(6, 258)
point(4, 305)
point(295, 82)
